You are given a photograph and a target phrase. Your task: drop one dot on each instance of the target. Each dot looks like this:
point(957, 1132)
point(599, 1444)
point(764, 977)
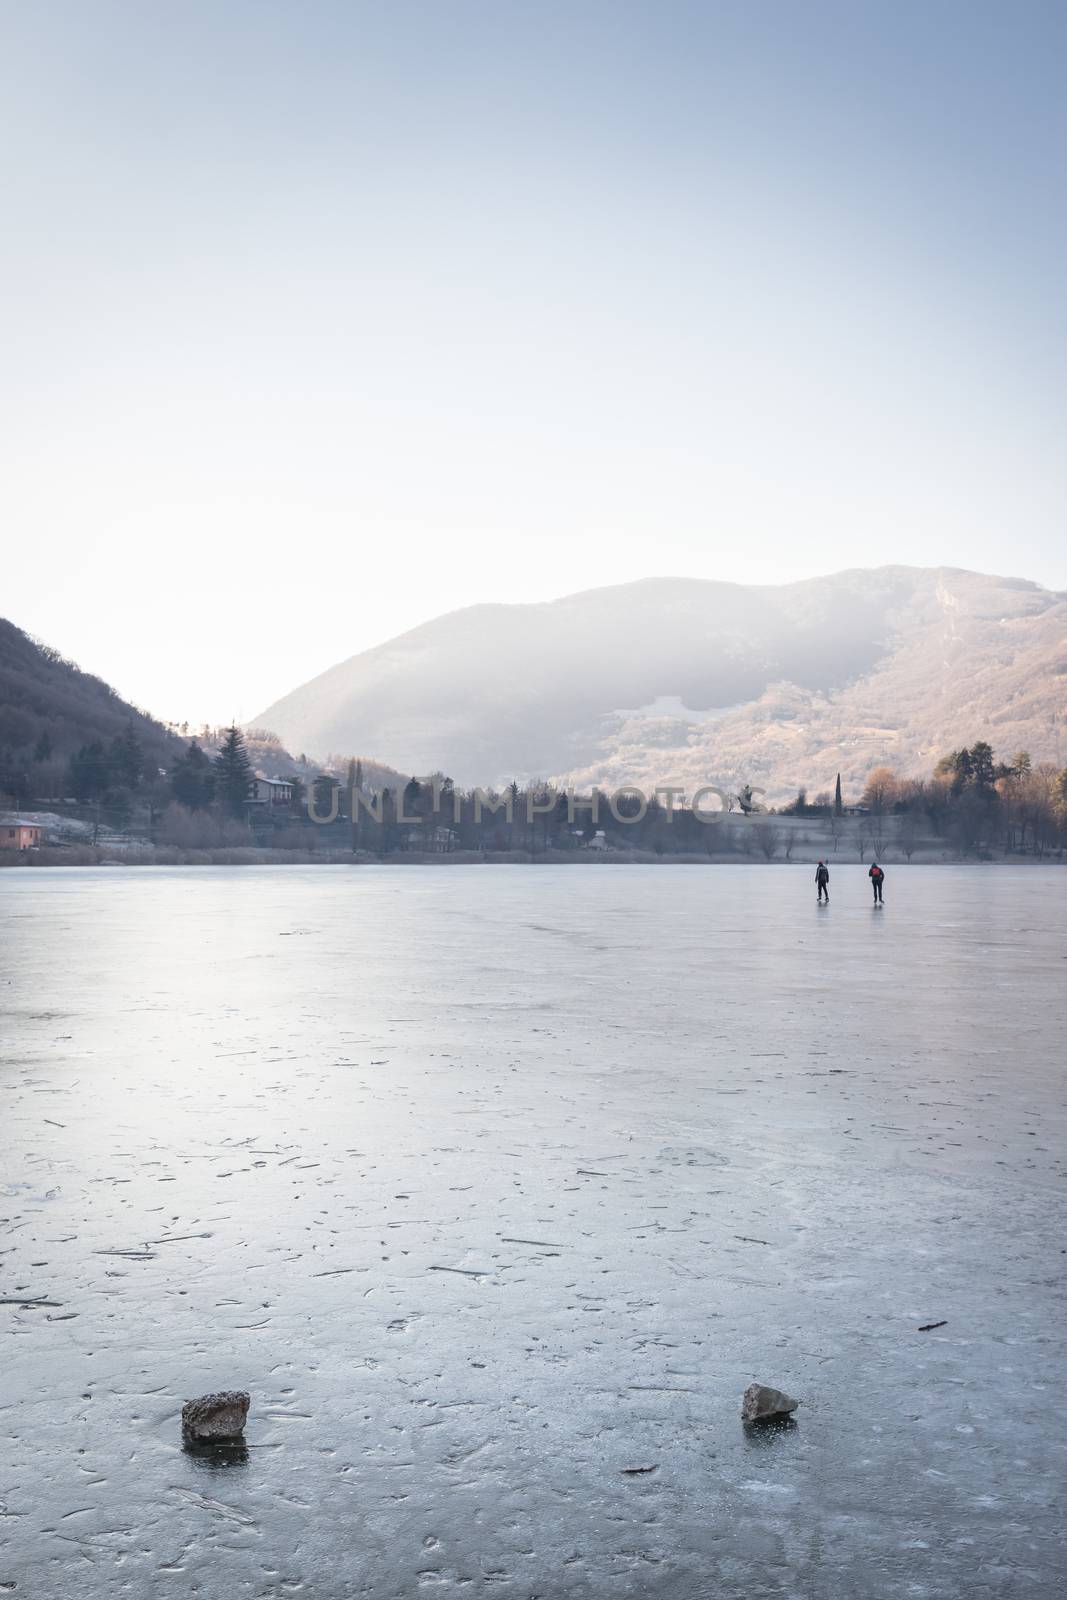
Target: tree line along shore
point(211, 806)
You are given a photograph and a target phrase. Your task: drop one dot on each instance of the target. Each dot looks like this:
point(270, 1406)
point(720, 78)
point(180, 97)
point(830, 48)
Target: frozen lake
point(495, 1184)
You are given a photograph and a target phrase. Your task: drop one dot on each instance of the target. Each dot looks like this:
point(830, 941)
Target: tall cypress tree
point(838, 806)
point(233, 773)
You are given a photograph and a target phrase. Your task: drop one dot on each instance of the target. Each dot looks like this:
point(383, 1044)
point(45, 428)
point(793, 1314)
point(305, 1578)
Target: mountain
point(681, 680)
point(44, 697)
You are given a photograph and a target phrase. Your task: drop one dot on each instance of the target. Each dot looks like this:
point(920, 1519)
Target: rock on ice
point(216, 1416)
point(758, 1402)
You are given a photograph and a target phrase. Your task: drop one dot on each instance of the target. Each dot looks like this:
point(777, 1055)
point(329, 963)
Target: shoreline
point(169, 856)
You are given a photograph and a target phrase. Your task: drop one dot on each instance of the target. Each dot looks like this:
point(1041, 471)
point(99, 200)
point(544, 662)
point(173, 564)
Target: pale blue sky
point(358, 313)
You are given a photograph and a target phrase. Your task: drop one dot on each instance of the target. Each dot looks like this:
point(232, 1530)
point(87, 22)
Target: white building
point(270, 792)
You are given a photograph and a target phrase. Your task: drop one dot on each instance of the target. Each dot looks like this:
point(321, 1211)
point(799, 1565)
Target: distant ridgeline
point(693, 681)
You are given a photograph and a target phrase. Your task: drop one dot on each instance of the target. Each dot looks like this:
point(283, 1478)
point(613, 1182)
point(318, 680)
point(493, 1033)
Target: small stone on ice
point(758, 1402)
point(216, 1416)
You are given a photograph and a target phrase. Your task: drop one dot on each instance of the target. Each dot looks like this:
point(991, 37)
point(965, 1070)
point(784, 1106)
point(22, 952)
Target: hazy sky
point(322, 318)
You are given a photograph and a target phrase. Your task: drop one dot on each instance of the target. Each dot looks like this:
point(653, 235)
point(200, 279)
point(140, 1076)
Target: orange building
point(16, 835)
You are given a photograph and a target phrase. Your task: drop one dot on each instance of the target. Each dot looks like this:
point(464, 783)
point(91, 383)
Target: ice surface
point(494, 1185)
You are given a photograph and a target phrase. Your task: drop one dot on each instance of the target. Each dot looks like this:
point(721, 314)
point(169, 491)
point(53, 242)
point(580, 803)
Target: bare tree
point(909, 834)
point(769, 840)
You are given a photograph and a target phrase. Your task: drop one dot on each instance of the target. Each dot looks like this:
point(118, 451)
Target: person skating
point(822, 878)
point(876, 876)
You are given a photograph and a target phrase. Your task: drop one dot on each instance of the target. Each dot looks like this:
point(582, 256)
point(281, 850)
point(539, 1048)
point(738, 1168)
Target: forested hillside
point(50, 710)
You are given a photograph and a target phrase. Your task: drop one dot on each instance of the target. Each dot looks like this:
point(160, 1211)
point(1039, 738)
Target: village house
point(15, 834)
point(270, 792)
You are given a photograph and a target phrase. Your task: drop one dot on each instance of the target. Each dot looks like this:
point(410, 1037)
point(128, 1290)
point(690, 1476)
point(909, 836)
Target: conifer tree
point(233, 773)
point(838, 805)
point(982, 764)
point(90, 771)
point(126, 759)
point(192, 779)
